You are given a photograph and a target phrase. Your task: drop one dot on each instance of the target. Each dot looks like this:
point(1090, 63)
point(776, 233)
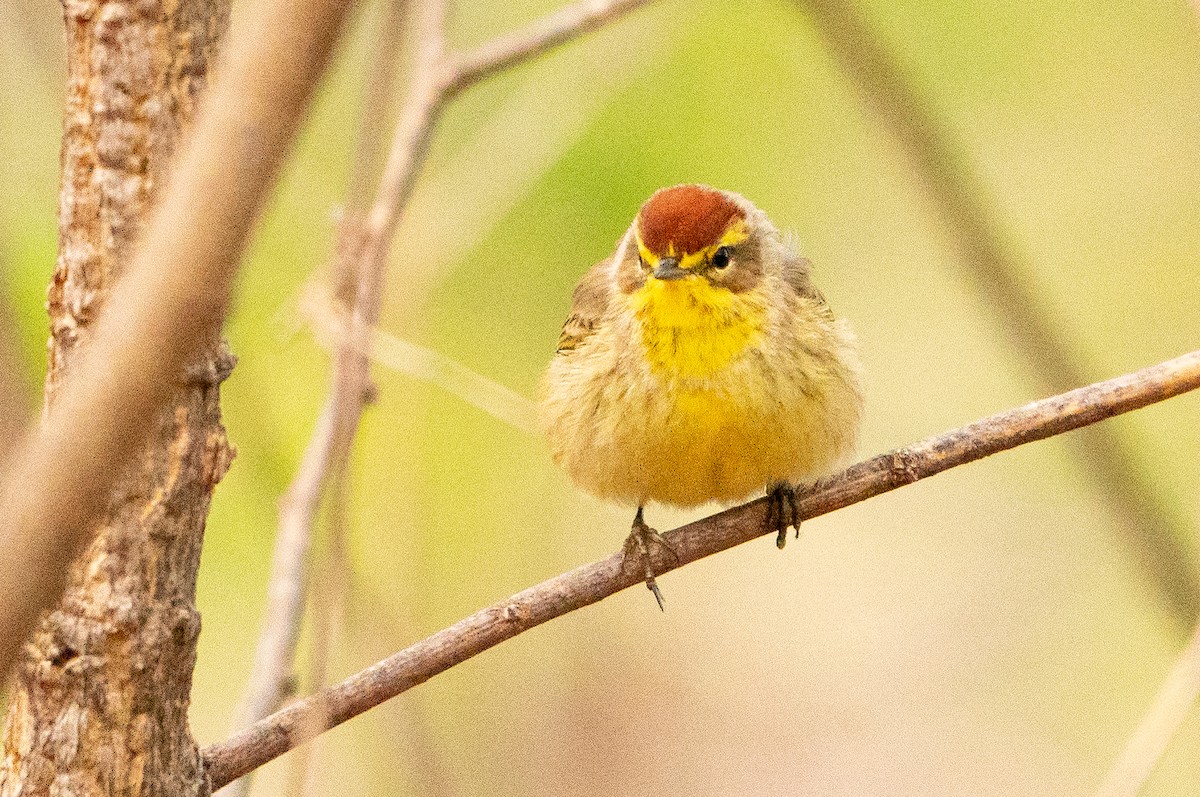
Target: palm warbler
point(699, 363)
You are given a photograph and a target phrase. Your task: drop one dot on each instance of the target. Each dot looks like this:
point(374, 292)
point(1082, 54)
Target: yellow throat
point(691, 328)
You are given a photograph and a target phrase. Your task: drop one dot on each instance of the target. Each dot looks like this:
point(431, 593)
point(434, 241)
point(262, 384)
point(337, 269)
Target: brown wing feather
point(796, 274)
point(589, 303)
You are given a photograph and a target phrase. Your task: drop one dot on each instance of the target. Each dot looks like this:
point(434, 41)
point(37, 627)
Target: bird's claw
point(637, 546)
point(783, 513)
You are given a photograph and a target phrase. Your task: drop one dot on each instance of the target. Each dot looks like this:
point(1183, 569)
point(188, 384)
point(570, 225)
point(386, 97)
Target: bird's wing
point(796, 273)
point(589, 303)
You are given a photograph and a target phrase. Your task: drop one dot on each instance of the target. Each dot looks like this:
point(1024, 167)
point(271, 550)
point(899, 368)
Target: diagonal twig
point(1174, 701)
point(439, 77)
point(590, 583)
point(1154, 534)
point(421, 363)
point(516, 48)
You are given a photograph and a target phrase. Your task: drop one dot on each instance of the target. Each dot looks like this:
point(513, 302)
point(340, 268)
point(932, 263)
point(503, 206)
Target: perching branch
point(1154, 535)
point(586, 585)
point(167, 308)
point(438, 78)
point(1174, 701)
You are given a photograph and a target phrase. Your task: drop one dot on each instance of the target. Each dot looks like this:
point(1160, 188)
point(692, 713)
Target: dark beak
point(668, 269)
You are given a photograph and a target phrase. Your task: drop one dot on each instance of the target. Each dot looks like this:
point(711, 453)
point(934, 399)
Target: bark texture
point(98, 701)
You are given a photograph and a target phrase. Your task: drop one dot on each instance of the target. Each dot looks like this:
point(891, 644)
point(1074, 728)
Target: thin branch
point(377, 101)
point(330, 443)
point(1154, 534)
point(586, 585)
point(273, 672)
point(547, 33)
point(419, 362)
point(170, 304)
point(364, 248)
point(328, 611)
point(1175, 699)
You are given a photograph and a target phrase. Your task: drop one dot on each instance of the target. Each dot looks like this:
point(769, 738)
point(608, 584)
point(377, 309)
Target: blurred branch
point(1154, 534)
point(328, 611)
point(586, 585)
point(331, 439)
point(168, 306)
point(15, 390)
point(514, 49)
point(377, 101)
point(272, 675)
point(375, 623)
point(439, 76)
point(1170, 708)
point(38, 32)
point(419, 362)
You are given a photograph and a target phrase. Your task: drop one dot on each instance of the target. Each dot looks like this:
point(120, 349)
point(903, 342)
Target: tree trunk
point(98, 701)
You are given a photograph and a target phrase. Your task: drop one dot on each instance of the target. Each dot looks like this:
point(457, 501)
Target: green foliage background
point(985, 632)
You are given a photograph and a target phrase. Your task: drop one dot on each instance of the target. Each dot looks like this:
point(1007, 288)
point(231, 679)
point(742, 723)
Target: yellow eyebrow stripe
point(733, 236)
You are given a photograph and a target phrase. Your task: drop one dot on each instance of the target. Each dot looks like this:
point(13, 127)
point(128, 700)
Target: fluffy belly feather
point(631, 433)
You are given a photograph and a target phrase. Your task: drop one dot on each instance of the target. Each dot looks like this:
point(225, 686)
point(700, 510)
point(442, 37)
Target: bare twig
point(1154, 534)
point(1175, 699)
point(170, 304)
point(334, 432)
point(586, 585)
point(438, 78)
point(547, 33)
point(333, 584)
point(422, 363)
point(377, 104)
point(328, 609)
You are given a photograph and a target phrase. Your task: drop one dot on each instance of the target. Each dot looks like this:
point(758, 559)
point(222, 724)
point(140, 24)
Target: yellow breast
point(705, 396)
point(691, 329)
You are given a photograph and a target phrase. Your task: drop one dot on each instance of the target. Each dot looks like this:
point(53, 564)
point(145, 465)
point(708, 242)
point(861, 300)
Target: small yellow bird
point(700, 364)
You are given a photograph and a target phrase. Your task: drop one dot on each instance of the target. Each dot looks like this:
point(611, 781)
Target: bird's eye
point(720, 258)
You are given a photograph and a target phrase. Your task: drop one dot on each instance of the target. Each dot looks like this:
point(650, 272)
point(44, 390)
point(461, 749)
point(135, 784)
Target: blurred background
point(988, 631)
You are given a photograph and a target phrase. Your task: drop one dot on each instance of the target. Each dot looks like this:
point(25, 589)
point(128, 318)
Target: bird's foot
point(783, 513)
point(637, 546)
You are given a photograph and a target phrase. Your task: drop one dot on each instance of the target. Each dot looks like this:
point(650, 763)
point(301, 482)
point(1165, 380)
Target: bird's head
point(697, 238)
point(695, 256)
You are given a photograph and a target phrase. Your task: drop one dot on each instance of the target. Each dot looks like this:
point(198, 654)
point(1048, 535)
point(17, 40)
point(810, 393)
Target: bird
point(699, 363)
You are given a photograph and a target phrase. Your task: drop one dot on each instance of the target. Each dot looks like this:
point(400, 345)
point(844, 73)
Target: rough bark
point(98, 700)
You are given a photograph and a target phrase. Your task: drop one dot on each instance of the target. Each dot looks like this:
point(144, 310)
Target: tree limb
point(170, 304)
point(118, 650)
point(1154, 535)
point(586, 585)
